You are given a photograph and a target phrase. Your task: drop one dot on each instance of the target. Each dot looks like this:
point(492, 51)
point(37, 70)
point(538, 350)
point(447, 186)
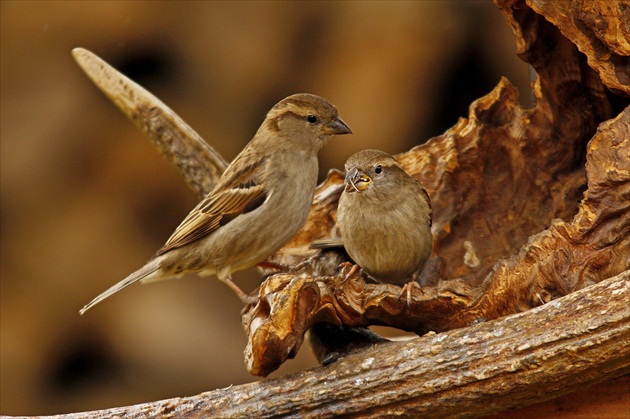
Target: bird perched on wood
point(260, 202)
point(384, 217)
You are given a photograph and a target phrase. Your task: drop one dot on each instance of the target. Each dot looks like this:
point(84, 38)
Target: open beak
point(337, 127)
point(357, 180)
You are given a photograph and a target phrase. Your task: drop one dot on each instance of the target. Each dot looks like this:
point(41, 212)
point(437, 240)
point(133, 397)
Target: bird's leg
point(241, 294)
point(278, 267)
point(272, 265)
point(353, 269)
point(226, 277)
point(304, 263)
point(407, 289)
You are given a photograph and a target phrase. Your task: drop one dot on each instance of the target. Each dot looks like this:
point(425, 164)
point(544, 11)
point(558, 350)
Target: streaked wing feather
point(236, 194)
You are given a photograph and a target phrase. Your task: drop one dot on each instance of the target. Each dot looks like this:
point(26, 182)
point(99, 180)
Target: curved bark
point(536, 355)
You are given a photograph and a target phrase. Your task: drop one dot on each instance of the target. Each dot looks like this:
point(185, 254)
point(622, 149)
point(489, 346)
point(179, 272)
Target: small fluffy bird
point(259, 203)
point(384, 217)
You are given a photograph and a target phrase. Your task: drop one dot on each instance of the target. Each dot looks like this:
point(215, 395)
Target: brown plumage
point(259, 203)
point(384, 217)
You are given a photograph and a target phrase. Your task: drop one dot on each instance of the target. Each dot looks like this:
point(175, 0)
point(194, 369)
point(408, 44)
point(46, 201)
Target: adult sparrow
point(384, 217)
point(260, 202)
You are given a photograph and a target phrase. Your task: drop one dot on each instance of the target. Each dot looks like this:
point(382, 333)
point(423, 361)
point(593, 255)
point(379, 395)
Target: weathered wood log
point(195, 160)
point(551, 350)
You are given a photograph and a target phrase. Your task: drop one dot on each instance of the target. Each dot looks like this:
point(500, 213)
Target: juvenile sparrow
point(260, 202)
point(384, 217)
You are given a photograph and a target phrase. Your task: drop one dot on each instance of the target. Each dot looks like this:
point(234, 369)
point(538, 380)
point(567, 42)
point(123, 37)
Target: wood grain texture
point(535, 356)
point(198, 163)
point(600, 30)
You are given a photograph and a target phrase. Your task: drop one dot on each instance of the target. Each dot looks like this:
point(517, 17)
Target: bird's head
point(305, 120)
point(368, 169)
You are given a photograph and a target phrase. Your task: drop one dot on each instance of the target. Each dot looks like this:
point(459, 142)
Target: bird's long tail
point(146, 271)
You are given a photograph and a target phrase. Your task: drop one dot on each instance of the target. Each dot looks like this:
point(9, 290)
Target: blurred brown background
point(86, 199)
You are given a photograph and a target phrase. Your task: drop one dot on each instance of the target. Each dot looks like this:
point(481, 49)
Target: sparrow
point(384, 217)
point(260, 202)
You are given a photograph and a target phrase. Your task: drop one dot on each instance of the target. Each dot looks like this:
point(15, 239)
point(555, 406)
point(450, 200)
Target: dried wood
point(198, 163)
point(535, 356)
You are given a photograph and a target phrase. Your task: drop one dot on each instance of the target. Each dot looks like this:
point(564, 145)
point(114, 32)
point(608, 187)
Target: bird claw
point(348, 270)
point(407, 289)
point(301, 265)
point(279, 267)
point(344, 266)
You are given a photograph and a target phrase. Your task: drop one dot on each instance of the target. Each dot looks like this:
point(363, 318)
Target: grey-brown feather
point(386, 228)
point(147, 270)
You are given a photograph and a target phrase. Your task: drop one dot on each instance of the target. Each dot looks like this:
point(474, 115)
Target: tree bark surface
point(506, 363)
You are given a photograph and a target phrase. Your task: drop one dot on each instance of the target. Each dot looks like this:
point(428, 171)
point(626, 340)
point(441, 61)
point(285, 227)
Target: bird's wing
point(238, 192)
point(327, 243)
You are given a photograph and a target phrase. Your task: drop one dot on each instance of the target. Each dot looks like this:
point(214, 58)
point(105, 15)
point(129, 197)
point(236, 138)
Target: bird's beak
point(337, 127)
point(357, 180)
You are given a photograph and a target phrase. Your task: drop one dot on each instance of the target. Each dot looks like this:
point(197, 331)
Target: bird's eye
point(378, 169)
point(311, 119)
